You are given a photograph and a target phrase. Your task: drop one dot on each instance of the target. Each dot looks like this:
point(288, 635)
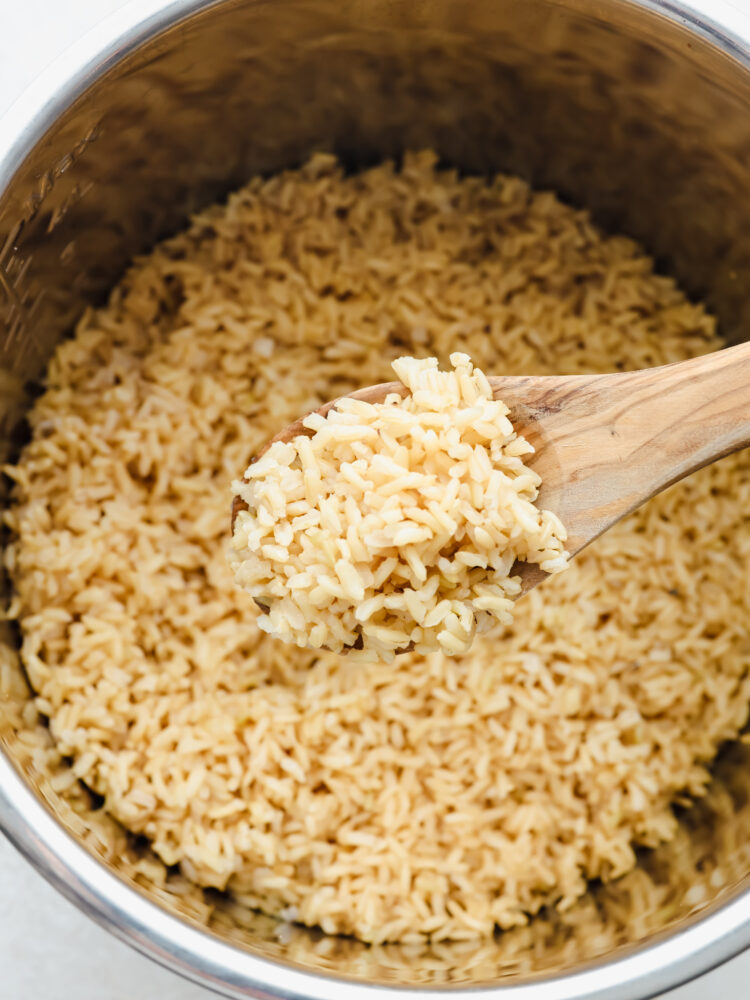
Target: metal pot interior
point(614, 106)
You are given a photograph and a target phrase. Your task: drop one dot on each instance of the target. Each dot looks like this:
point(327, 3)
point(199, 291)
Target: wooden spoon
point(605, 444)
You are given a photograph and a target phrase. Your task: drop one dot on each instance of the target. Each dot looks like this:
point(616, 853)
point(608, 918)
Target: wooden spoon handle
point(607, 443)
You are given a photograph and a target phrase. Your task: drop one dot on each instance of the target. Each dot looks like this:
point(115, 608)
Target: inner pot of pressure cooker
point(257, 210)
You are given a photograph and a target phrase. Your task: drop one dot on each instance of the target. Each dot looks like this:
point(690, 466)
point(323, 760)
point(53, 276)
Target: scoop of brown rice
point(395, 524)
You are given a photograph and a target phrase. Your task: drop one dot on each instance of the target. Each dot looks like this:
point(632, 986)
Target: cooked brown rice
point(435, 795)
point(394, 525)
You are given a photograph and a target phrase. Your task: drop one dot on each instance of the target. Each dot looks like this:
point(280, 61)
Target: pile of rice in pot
point(436, 796)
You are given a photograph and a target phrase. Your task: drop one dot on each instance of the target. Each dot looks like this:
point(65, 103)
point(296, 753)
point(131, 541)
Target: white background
point(48, 950)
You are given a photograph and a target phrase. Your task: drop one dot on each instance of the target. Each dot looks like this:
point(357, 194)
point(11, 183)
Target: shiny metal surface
point(638, 110)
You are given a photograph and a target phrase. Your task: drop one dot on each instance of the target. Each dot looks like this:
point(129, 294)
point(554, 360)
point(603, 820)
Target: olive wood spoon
point(605, 444)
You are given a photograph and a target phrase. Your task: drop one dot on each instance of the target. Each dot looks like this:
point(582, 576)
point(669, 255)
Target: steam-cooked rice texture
point(435, 795)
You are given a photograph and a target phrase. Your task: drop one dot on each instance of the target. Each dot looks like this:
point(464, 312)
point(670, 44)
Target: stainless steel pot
point(638, 109)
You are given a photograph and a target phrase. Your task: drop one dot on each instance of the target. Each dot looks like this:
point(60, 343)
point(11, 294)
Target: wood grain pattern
point(605, 444)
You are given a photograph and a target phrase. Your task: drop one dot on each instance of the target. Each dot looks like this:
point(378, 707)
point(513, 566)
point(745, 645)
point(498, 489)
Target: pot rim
point(197, 954)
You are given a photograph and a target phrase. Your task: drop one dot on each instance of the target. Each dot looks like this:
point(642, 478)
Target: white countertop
point(48, 950)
